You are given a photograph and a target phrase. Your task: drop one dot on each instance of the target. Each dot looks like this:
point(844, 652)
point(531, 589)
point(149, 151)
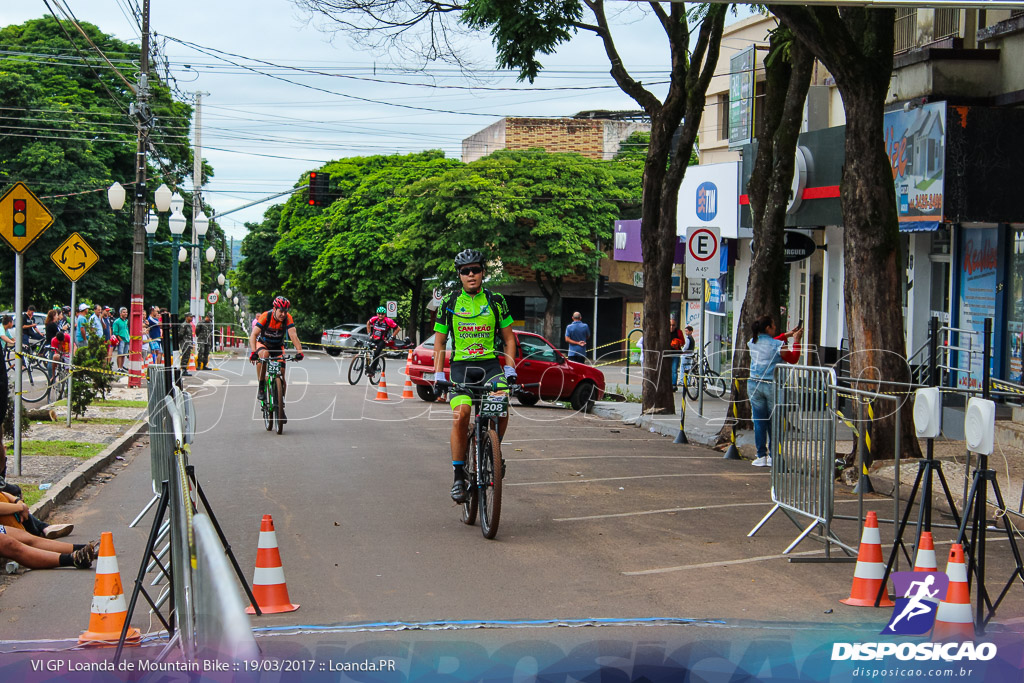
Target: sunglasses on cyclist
point(470, 270)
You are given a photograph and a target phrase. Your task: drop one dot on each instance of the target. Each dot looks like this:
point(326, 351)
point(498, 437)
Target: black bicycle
point(272, 404)
point(701, 374)
point(365, 361)
point(485, 467)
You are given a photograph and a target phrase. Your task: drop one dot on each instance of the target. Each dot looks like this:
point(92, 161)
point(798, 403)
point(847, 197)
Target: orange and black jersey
point(272, 332)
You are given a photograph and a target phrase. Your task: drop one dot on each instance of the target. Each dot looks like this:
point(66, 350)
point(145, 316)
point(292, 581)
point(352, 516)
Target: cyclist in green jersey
point(476, 317)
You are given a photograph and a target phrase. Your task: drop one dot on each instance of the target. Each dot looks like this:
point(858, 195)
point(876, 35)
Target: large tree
point(787, 78)
point(522, 32)
point(66, 133)
point(856, 45)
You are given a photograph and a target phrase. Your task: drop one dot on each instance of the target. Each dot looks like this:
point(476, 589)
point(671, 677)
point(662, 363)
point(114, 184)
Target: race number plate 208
point(494, 407)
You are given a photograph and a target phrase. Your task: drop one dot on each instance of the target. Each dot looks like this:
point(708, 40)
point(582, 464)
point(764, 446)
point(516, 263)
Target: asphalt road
point(599, 520)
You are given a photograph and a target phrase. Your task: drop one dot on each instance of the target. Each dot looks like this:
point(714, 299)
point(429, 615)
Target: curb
point(75, 481)
point(646, 422)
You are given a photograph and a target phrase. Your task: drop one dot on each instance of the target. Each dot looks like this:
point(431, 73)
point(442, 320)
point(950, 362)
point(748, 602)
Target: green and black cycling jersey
point(473, 321)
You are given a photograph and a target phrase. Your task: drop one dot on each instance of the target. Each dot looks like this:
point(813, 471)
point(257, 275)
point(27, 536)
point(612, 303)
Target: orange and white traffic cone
point(268, 586)
point(867, 576)
point(192, 359)
point(407, 389)
point(954, 619)
point(925, 560)
point(382, 389)
point(109, 610)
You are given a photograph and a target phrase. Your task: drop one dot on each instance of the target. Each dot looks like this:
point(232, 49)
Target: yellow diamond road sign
point(75, 257)
point(22, 217)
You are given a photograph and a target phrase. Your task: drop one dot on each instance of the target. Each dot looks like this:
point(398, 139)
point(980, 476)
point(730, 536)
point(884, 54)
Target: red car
point(543, 371)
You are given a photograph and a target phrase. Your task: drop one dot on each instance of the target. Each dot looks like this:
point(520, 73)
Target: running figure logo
point(914, 613)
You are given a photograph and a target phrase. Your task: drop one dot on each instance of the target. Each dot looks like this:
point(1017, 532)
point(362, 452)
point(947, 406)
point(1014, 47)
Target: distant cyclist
point(474, 318)
point(267, 341)
point(381, 329)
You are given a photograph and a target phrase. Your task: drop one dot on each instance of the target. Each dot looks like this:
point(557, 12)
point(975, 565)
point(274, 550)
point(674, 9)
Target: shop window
point(723, 117)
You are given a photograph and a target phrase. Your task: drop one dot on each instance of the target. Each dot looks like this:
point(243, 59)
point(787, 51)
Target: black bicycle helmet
point(467, 256)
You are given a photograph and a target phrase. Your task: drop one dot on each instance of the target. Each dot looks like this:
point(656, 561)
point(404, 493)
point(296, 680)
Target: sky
point(262, 131)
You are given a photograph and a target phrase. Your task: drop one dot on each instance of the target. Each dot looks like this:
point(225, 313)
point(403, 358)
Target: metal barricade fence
point(222, 629)
point(802, 448)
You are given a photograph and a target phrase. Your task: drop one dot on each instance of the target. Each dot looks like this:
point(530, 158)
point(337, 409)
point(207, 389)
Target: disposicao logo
point(914, 615)
point(707, 201)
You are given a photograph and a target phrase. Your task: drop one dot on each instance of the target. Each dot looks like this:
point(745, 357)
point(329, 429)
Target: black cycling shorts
point(474, 372)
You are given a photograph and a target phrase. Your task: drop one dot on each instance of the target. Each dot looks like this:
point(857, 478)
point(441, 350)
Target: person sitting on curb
point(10, 494)
point(42, 553)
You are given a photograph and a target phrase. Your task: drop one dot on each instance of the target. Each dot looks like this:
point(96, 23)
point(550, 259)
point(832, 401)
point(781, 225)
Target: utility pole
point(142, 121)
point(195, 305)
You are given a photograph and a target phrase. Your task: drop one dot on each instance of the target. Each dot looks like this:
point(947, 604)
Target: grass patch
point(120, 403)
point(30, 493)
point(104, 420)
point(74, 449)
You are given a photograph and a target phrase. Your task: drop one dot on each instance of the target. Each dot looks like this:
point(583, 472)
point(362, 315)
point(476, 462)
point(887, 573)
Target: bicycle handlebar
point(476, 389)
point(285, 357)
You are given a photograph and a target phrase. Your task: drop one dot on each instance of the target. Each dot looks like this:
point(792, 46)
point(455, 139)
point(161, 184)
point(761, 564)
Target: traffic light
point(602, 285)
point(319, 188)
point(19, 218)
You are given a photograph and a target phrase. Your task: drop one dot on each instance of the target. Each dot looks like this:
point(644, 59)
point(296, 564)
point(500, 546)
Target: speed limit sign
point(212, 297)
point(392, 308)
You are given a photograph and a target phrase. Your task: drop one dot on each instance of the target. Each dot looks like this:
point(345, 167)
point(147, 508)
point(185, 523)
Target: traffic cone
point(268, 586)
point(954, 620)
point(867, 576)
point(382, 389)
point(925, 560)
point(407, 389)
point(192, 362)
point(109, 610)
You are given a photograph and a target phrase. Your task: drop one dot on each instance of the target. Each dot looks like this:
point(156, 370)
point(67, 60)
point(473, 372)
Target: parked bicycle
point(363, 362)
point(484, 465)
point(700, 374)
point(272, 404)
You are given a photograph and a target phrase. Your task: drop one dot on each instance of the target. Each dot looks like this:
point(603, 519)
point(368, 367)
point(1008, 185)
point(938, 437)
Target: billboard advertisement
point(915, 140)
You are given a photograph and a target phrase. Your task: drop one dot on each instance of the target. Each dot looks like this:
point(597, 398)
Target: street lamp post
point(180, 250)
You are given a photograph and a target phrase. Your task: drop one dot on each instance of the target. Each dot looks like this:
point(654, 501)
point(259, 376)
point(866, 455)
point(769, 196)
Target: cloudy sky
point(266, 122)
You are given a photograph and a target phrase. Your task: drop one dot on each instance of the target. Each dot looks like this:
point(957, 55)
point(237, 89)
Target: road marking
point(658, 512)
point(641, 476)
point(724, 563)
point(579, 438)
point(616, 457)
point(216, 382)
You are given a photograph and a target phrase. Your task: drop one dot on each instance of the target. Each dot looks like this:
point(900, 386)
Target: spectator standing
point(7, 332)
point(155, 348)
point(204, 338)
point(767, 349)
point(96, 322)
point(185, 330)
point(29, 333)
point(80, 322)
point(65, 320)
point(577, 333)
point(52, 323)
point(119, 329)
point(689, 348)
point(676, 339)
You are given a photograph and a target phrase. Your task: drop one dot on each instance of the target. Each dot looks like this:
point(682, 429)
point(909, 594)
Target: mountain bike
point(485, 468)
point(700, 373)
point(272, 404)
point(363, 361)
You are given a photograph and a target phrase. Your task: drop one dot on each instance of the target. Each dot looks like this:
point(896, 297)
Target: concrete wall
point(484, 142)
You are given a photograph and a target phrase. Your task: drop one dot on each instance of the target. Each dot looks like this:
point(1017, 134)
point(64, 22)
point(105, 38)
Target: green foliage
point(88, 385)
point(522, 30)
point(66, 131)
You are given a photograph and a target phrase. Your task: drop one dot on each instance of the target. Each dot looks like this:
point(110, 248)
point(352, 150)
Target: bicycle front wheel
point(692, 386)
point(268, 407)
point(355, 369)
point(469, 508)
point(490, 485)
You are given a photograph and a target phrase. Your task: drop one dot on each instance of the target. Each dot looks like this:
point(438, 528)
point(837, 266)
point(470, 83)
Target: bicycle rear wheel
point(714, 385)
point(375, 370)
point(278, 405)
point(355, 368)
point(490, 486)
point(469, 508)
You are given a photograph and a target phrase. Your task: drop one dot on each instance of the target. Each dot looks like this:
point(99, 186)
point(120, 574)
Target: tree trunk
point(415, 309)
point(856, 47)
point(769, 190)
point(552, 314)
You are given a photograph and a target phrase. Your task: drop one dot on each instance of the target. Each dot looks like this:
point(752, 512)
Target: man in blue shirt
point(576, 336)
